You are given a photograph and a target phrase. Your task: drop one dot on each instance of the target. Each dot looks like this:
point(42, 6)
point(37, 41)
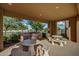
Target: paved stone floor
point(7, 51)
point(70, 49)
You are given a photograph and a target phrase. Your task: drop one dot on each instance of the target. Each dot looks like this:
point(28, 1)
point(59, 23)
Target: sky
point(25, 22)
point(61, 25)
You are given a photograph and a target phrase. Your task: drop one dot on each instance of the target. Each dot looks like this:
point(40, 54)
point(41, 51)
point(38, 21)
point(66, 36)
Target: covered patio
point(49, 13)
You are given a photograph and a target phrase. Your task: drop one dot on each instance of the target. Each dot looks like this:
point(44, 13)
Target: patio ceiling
point(44, 11)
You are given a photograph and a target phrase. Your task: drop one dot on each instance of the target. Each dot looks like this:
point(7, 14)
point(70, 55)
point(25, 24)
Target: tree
point(6, 24)
point(13, 24)
point(10, 23)
point(22, 26)
point(37, 26)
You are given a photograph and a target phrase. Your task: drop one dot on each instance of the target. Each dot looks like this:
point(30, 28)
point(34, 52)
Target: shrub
point(14, 38)
point(5, 38)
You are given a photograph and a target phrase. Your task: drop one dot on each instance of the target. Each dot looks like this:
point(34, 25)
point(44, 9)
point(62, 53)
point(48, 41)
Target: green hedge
point(12, 38)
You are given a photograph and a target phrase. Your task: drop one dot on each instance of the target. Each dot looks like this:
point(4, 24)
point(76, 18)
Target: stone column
point(73, 25)
point(77, 29)
point(1, 29)
point(52, 27)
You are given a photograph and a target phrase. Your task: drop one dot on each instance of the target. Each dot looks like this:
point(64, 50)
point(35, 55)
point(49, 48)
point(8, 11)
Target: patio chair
point(46, 50)
point(40, 50)
point(51, 40)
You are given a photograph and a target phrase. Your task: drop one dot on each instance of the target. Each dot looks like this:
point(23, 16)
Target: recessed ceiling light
point(57, 7)
point(9, 3)
point(40, 14)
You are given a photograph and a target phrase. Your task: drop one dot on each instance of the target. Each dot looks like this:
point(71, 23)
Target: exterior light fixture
point(40, 14)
